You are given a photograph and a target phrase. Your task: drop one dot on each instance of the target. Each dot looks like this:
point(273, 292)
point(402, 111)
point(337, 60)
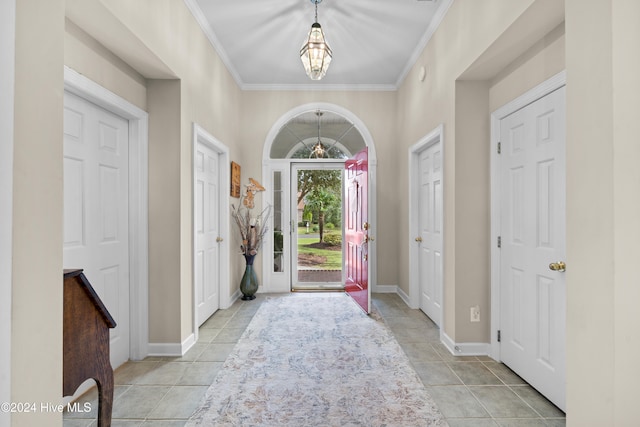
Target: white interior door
point(96, 208)
point(207, 262)
point(533, 221)
point(430, 235)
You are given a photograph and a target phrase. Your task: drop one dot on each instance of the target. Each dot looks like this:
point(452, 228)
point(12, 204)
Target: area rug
point(311, 360)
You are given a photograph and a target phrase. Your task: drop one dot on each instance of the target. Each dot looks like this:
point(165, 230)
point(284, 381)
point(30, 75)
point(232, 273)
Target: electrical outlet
point(475, 313)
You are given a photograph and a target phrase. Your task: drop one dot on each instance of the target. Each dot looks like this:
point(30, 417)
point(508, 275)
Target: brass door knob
point(558, 266)
point(418, 239)
point(219, 239)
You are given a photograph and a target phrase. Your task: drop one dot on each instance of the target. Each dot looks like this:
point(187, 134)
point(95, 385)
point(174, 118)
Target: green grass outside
point(333, 258)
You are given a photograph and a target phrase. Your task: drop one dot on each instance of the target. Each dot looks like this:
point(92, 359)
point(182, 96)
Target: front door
point(430, 237)
point(357, 230)
point(96, 208)
point(317, 250)
point(207, 228)
point(532, 278)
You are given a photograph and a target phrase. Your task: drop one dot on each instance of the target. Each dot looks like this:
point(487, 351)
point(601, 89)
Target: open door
point(357, 230)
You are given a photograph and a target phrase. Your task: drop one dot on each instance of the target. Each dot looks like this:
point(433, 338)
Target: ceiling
point(374, 42)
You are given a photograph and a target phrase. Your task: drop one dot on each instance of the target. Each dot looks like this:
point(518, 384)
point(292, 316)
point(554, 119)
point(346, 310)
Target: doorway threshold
point(318, 287)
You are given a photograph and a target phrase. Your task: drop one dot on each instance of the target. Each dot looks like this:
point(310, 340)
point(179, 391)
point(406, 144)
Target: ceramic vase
point(249, 282)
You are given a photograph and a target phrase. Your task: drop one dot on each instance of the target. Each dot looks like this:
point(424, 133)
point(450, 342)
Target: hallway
point(470, 391)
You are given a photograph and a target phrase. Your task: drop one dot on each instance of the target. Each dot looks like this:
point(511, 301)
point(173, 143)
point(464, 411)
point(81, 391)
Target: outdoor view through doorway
point(318, 250)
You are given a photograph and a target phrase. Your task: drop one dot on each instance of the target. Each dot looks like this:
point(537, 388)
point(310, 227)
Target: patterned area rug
point(313, 360)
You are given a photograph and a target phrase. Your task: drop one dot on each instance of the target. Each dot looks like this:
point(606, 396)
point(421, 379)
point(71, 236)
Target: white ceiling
point(374, 42)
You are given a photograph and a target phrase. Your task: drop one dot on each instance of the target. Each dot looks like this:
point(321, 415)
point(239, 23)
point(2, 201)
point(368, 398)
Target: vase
point(249, 282)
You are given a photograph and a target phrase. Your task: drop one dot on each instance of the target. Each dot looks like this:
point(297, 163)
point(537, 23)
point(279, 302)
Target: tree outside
point(321, 191)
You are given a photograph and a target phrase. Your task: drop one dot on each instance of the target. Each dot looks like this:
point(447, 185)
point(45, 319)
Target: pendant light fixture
point(318, 151)
point(316, 53)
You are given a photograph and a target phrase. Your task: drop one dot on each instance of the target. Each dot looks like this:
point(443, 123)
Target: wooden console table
point(86, 342)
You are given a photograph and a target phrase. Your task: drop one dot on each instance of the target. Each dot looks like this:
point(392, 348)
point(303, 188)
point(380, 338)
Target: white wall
point(7, 46)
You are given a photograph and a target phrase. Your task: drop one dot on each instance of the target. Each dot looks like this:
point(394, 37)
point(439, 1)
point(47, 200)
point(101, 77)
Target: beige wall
point(36, 343)
point(603, 203)
point(484, 54)
point(7, 59)
point(172, 72)
point(376, 110)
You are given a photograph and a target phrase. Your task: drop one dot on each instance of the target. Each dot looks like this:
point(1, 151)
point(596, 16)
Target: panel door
point(430, 237)
point(96, 208)
point(207, 262)
point(532, 295)
point(357, 230)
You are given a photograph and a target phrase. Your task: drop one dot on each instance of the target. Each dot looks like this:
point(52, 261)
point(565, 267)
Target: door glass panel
point(278, 226)
point(319, 229)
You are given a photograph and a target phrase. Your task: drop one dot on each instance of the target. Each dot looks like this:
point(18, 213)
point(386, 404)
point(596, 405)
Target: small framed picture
point(235, 179)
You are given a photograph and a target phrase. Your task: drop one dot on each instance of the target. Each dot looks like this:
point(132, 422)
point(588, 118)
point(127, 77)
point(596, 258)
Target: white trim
point(385, 289)
point(79, 85)
point(464, 348)
point(320, 87)
point(443, 8)
point(172, 349)
point(403, 295)
point(201, 136)
point(543, 89)
point(311, 108)
point(202, 21)
point(7, 74)
point(436, 136)
point(269, 165)
point(314, 164)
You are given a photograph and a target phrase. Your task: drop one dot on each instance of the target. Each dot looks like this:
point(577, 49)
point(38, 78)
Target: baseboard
point(465, 349)
point(385, 289)
point(404, 297)
point(236, 295)
point(172, 349)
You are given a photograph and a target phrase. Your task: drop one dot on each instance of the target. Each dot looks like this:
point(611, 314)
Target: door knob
point(219, 239)
point(558, 266)
point(418, 239)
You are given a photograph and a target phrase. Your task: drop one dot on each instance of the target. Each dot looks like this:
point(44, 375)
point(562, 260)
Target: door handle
point(219, 239)
point(558, 266)
point(418, 239)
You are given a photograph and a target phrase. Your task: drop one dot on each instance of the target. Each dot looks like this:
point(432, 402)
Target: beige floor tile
point(138, 401)
point(179, 403)
point(200, 373)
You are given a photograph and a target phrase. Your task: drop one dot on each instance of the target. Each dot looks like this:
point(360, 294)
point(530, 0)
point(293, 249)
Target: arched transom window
point(317, 134)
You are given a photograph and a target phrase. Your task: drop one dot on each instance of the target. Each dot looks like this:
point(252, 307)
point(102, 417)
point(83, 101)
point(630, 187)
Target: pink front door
point(356, 230)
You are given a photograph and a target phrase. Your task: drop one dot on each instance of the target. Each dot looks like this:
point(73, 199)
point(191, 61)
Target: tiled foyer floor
point(470, 391)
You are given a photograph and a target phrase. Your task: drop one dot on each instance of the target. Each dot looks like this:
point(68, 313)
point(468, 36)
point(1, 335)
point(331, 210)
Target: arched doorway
point(309, 139)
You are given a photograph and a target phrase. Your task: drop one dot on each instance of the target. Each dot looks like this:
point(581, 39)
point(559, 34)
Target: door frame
point(277, 282)
point(295, 166)
point(201, 136)
point(555, 82)
point(89, 90)
point(434, 137)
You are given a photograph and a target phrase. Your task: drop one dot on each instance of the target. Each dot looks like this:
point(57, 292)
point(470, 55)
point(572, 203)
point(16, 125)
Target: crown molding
point(433, 26)
point(195, 10)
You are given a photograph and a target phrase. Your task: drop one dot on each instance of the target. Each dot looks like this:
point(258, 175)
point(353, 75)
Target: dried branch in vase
point(252, 228)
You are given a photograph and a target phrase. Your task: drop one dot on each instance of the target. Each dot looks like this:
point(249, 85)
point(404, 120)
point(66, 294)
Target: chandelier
point(318, 151)
point(316, 53)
